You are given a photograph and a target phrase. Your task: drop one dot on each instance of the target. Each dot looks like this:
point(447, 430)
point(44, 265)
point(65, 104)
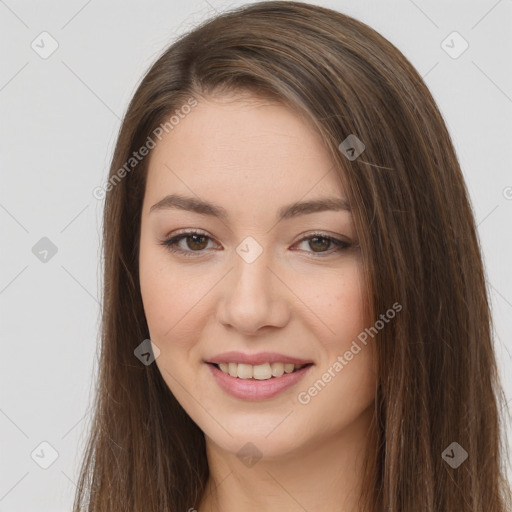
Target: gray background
point(59, 119)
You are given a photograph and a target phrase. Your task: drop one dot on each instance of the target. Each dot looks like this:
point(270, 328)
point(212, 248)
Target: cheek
point(338, 302)
point(344, 385)
point(154, 291)
point(158, 284)
point(173, 300)
point(164, 308)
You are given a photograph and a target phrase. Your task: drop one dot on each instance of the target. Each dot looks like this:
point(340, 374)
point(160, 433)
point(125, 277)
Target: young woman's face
point(274, 289)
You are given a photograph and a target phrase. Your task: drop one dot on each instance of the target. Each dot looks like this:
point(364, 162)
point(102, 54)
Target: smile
point(249, 386)
point(263, 371)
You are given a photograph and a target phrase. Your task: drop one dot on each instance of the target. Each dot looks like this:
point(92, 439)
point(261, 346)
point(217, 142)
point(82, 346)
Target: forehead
point(256, 148)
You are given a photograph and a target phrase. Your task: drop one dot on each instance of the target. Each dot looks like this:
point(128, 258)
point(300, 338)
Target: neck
point(324, 475)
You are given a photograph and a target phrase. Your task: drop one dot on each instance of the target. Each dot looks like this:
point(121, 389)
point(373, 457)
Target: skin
point(252, 157)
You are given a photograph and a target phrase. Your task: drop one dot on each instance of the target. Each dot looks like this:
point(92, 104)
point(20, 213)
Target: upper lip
point(255, 359)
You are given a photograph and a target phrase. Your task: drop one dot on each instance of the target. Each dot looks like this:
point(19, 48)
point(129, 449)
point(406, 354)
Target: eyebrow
point(176, 201)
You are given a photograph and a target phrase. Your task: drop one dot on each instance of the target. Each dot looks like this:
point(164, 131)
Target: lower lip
point(253, 389)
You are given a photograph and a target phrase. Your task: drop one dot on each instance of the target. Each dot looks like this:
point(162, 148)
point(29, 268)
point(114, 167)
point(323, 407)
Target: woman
point(295, 312)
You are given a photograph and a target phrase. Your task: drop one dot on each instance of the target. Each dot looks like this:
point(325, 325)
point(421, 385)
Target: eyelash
point(171, 244)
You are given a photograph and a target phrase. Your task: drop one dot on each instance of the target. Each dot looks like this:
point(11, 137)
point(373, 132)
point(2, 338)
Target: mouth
point(254, 383)
point(265, 371)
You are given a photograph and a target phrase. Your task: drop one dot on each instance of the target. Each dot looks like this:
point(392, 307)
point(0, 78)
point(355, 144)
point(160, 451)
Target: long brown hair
point(437, 380)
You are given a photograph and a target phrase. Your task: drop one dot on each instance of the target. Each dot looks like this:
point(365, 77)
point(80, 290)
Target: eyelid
point(312, 233)
point(171, 241)
point(325, 234)
point(337, 240)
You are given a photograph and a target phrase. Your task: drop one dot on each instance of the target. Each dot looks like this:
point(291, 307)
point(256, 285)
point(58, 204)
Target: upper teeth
point(259, 371)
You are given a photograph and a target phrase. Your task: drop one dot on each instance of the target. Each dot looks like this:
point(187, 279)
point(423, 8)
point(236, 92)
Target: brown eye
point(199, 242)
point(322, 246)
point(195, 244)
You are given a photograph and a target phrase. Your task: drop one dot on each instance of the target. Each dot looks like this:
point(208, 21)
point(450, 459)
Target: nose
point(253, 296)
